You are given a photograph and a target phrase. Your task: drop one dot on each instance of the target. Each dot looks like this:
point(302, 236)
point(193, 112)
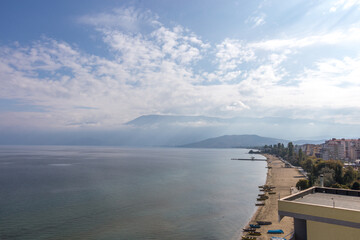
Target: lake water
point(53, 192)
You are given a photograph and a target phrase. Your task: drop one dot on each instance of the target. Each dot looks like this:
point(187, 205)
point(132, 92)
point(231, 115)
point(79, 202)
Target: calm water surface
point(57, 192)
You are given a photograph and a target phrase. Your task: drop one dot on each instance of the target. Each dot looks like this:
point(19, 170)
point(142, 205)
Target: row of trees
point(288, 153)
point(333, 171)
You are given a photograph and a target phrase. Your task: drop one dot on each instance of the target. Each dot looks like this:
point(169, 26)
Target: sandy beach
point(283, 179)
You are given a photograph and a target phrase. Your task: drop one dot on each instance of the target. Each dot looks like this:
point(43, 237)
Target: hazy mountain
point(162, 130)
point(148, 120)
point(182, 130)
point(197, 121)
point(231, 141)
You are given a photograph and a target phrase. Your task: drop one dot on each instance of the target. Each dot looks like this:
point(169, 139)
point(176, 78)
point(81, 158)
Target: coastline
point(284, 179)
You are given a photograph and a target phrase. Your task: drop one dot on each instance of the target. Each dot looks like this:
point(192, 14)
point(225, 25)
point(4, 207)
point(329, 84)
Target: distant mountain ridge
point(147, 120)
point(233, 141)
point(168, 131)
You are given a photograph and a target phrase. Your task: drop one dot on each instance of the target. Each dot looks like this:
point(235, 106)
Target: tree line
point(334, 173)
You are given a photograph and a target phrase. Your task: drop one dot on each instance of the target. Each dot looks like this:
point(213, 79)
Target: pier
point(249, 159)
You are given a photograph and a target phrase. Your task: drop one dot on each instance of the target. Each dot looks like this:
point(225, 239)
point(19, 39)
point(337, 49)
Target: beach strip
point(284, 180)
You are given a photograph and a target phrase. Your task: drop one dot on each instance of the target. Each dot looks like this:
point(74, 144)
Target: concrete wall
point(321, 212)
point(322, 222)
point(324, 231)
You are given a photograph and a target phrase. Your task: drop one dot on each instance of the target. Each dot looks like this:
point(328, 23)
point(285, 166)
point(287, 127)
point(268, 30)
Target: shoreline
point(284, 179)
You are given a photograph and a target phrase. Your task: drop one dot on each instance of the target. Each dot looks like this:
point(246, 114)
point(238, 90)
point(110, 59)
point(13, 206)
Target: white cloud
point(149, 73)
point(154, 71)
point(257, 20)
point(344, 5)
point(332, 9)
point(129, 19)
point(265, 75)
point(342, 73)
point(237, 106)
point(350, 35)
point(231, 53)
point(321, 92)
point(178, 45)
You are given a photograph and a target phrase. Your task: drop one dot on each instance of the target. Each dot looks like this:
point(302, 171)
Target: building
point(334, 149)
point(311, 149)
point(323, 213)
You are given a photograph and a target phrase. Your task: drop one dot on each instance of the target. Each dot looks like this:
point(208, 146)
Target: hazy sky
point(70, 64)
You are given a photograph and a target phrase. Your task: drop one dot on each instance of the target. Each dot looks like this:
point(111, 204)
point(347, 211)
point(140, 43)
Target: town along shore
point(284, 180)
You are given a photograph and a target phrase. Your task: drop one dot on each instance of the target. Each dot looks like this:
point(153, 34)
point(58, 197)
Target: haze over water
point(57, 192)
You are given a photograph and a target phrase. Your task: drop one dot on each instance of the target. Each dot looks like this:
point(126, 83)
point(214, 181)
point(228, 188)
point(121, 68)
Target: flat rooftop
point(317, 204)
point(331, 200)
point(341, 198)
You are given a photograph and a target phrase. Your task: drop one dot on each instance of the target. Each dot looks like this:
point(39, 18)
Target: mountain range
point(233, 141)
point(171, 131)
point(244, 141)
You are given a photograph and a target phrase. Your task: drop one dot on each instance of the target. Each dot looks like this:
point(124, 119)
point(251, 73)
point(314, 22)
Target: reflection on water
point(118, 193)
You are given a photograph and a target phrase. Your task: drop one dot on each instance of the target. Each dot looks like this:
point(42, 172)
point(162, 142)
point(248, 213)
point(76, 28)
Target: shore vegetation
point(334, 173)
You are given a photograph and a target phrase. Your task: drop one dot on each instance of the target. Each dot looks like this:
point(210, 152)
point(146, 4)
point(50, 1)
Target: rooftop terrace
point(323, 213)
point(343, 198)
point(331, 205)
point(331, 200)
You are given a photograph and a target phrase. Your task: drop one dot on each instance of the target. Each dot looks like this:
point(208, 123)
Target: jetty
point(249, 159)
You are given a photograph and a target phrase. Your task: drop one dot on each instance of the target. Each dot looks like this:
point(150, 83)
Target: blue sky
point(98, 64)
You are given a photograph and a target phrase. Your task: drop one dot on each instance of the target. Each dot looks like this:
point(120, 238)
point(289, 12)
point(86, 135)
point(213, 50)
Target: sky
point(99, 64)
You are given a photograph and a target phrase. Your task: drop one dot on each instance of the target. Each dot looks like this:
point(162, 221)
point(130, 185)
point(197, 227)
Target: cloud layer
point(154, 68)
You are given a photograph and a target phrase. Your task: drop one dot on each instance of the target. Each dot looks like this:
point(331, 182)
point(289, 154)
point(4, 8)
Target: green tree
point(319, 164)
point(336, 185)
point(338, 167)
point(349, 175)
point(302, 184)
point(300, 155)
point(328, 175)
point(290, 149)
point(308, 165)
point(355, 186)
point(339, 172)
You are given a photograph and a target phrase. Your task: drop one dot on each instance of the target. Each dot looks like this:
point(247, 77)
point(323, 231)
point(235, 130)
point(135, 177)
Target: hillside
point(232, 141)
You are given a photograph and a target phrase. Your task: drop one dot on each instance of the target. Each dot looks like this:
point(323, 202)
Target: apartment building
point(341, 149)
point(336, 149)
